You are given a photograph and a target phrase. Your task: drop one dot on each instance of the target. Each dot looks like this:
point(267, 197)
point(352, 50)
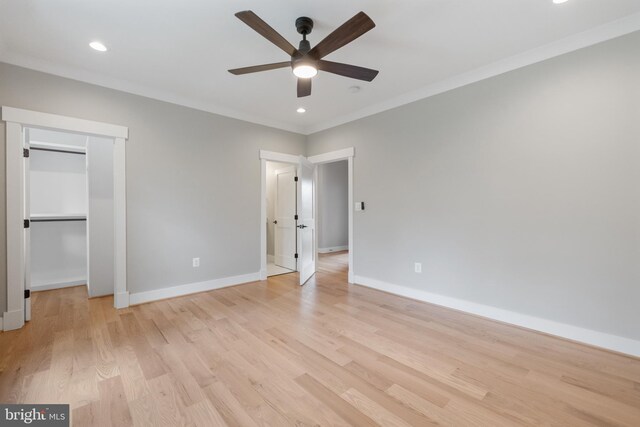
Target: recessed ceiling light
point(98, 46)
point(301, 110)
point(559, 1)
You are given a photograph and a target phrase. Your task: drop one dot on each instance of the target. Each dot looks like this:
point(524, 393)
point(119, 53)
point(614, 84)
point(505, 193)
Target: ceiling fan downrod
point(304, 26)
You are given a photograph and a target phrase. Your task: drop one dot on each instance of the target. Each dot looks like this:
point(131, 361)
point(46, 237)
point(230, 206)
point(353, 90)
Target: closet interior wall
point(100, 216)
point(58, 209)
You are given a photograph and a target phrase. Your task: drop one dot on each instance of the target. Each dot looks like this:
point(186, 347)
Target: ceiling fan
point(305, 62)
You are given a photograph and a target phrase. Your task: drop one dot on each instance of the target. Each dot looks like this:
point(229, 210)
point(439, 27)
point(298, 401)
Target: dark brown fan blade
point(257, 68)
point(304, 87)
point(346, 33)
point(347, 70)
point(254, 21)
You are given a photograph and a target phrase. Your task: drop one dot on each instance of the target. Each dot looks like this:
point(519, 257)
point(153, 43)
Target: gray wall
point(193, 178)
point(333, 197)
point(519, 192)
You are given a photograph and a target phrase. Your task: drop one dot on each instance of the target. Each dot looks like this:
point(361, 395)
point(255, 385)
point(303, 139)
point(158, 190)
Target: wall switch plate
point(418, 267)
point(196, 262)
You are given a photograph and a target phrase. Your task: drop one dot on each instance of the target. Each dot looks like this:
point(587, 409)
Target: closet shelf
point(58, 217)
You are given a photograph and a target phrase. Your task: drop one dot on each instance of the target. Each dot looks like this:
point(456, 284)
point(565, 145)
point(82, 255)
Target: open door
point(306, 220)
point(27, 229)
point(285, 219)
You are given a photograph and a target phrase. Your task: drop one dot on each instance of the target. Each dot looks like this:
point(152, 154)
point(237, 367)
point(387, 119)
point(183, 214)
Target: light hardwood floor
point(273, 353)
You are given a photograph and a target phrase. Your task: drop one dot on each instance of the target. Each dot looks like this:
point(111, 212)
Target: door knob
point(302, 226)
point(275, 221)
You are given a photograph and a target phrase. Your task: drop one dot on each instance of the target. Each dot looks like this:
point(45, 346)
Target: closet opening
point(69, 212)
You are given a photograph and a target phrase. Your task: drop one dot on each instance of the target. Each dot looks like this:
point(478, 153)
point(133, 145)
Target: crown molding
point(91, 77)
point(572, 43)
point(569, 44)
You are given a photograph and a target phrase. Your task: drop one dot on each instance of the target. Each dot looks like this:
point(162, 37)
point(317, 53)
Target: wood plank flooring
point(273, 353)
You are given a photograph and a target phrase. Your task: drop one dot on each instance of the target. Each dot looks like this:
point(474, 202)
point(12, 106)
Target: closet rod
point(58, 150)
point(58, 219)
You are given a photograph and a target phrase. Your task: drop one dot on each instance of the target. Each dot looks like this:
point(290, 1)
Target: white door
point(306, 220)
point(284, 221)
point(27, 230)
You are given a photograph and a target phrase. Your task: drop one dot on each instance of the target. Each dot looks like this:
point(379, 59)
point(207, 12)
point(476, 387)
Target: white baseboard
point(12, 320)
point(58, 285)
point(191, 288)
point(332, 249)
point(1, 327)
point(575, 333)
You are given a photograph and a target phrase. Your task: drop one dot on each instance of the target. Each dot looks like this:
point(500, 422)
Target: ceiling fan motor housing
point(304, 47)
point(304, 25)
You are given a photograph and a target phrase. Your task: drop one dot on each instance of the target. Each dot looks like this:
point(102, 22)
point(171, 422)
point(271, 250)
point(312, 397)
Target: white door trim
point(14, 316)
point(334, 156)
point(56, 122)
point(16, 119)
point(26, 143)
point(121, 292)
point(272, 156)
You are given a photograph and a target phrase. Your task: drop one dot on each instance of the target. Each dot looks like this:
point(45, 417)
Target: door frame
point(335, 156)
point(16, 120)
point(268, 156)
point(26, 141)
point(330, 157)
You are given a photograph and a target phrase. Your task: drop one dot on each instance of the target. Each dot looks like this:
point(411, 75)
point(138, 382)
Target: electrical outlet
point(418, 267)
point(196, 262)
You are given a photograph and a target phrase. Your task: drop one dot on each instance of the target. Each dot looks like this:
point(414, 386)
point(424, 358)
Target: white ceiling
point(179, 51)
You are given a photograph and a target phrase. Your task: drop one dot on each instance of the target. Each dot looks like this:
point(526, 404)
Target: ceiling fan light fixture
point(305, 61)
point(305, 71)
